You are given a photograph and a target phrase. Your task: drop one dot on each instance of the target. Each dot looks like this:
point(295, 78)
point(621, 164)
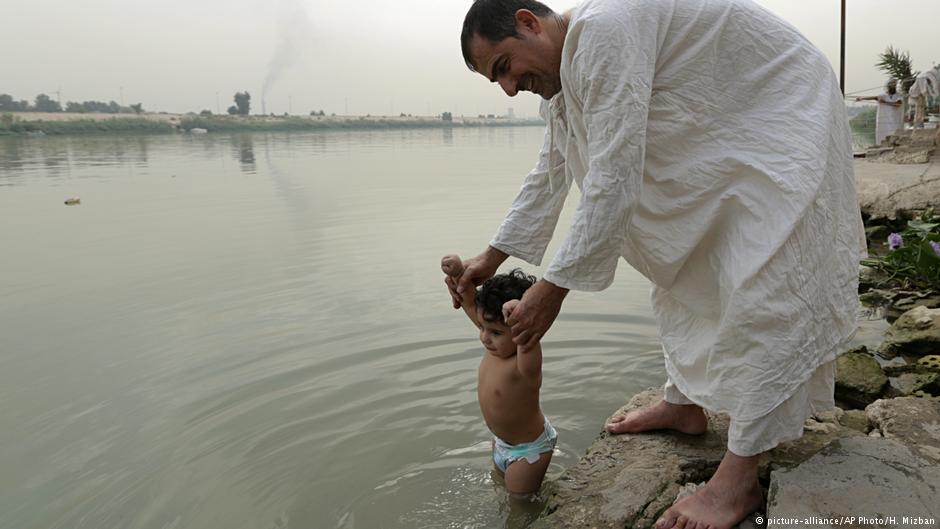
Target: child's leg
point(524, 478)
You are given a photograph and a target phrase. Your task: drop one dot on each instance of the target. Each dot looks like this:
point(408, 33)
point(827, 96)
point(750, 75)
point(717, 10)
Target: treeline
point(44, 103)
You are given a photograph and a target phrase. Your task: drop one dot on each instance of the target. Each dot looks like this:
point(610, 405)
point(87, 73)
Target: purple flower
point(895, 241)
point(936, 247)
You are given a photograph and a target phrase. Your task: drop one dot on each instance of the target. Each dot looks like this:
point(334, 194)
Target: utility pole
point(842, 54)
point(218, 107)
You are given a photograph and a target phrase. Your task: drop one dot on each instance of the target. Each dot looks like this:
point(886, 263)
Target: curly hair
point(499, 289)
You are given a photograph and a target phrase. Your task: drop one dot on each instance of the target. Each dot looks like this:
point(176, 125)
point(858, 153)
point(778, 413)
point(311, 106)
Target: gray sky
point(368, 56)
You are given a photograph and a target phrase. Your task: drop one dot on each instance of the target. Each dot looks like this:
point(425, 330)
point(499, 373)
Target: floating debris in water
point(73, 201)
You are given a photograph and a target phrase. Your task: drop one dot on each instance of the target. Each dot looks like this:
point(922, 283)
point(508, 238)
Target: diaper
point(505, 454)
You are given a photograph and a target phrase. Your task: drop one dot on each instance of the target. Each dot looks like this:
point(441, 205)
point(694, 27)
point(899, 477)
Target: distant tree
point(113, 107)
point(243, 102)
point(898, 64)
point(138, 108)
point(206, 113)
point(447, 116)
point(6, 102)
point(73, 106)
point(233, 110)
point(45, 104)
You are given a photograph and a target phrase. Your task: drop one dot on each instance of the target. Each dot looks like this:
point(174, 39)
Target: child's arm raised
point(453, 269)
point(528, 357)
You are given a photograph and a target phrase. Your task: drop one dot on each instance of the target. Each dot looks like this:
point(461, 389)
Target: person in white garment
point(924, 86)
point(711, 146)
point(890, 116)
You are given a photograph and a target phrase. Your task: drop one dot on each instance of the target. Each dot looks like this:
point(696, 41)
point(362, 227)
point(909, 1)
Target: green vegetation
point(44, 103)
point(10, 126)
point(217, 123)
point(865, 120)
point(242, 106)
point(913, 257)
point(898, 64)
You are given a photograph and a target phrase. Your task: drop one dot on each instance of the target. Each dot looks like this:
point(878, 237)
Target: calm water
point(252, 332)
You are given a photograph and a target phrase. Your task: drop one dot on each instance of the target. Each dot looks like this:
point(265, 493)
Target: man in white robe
point(923, 87)
point(712, 149)
point(890, 116)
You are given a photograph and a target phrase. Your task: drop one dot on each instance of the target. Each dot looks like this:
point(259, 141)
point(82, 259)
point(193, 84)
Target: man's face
point(528, 63)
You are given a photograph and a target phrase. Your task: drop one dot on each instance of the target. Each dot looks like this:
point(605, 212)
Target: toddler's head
point(499, 289)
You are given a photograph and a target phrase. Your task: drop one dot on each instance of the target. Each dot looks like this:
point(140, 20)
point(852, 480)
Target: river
point(251, 331)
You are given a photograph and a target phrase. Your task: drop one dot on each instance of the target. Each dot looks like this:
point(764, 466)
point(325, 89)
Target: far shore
point(71, 123)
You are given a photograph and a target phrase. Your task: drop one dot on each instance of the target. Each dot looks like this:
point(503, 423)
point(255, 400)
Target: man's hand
point(531, 318)
point(474, 272)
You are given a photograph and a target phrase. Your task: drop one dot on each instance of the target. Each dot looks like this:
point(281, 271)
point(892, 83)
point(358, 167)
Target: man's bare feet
point(663, 415)
point(730, 496)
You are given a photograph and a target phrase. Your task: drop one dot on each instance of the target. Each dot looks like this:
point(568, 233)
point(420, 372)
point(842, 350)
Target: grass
point(287, 124)
point(85, 127)
point(228, 124)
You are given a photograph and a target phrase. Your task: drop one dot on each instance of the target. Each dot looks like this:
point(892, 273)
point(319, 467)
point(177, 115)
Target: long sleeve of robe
point(711, 146)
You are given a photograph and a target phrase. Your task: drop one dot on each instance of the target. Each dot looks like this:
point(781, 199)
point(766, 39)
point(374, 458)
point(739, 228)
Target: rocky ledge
point(876, 457)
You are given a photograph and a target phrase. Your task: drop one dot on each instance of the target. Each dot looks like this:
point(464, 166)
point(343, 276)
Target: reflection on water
point(252, 331)
point(245, 148)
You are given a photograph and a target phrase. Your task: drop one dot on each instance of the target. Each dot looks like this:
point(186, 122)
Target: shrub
point(913, 257)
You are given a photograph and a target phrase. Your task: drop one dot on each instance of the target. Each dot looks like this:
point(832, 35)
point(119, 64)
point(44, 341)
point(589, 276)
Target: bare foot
point(663, 415)
point(730, 496)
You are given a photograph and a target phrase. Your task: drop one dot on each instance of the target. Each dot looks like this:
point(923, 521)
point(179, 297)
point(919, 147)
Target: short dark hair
point(495, 20)
point(498, 290)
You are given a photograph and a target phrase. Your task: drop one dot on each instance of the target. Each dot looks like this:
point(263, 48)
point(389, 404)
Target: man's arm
point(614, 91)
point(528, 356)
point(531, 220)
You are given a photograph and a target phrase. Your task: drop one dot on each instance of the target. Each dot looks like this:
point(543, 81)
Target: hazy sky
point(364, 56)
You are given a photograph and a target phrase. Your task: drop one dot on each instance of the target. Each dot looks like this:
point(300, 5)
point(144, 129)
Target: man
point(890, 116)
point(711, 146)
point(924, 86)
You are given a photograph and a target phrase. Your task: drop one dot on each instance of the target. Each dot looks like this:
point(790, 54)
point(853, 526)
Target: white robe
point(890, 118)
point(712, 149)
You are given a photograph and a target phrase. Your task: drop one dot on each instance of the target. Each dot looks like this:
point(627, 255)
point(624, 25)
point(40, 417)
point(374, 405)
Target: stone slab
point(878, 479)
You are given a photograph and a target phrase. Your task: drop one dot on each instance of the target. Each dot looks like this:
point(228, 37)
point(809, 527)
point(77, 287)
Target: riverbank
point(65, 123)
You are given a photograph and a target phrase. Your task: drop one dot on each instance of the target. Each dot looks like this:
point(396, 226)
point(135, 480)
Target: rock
point(916, 332)
point(873, 297)
point(818, 432)
point(876, 233)
point(630, 480)
point(855, 420)
point(911, 383)
point(859, 379)
point(856, 477)
point(73, 201)
point(913, 421)
point(893, 191)
point(930, 362)
point(906, 303)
